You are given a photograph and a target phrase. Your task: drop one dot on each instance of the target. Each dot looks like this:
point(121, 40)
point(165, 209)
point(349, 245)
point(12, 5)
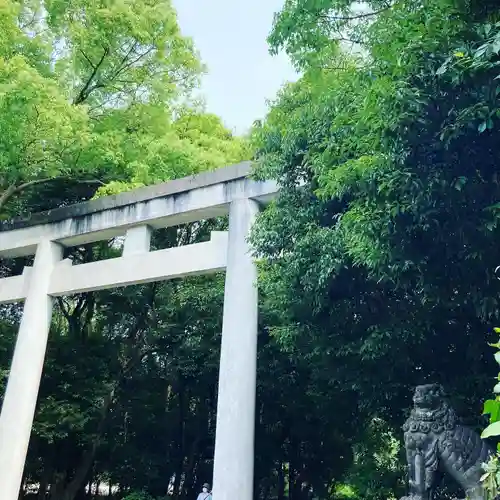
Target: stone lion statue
point(437, 444)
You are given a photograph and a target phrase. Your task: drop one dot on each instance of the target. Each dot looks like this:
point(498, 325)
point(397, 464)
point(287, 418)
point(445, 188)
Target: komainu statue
point(437, 444)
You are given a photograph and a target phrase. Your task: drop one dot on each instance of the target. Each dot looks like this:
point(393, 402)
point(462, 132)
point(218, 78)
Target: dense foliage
point(95, 99)
point(491, 476)
point(97, 93)
point(376, 262)
point(378, 258)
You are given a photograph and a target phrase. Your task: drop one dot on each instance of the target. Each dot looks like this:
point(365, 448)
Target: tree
point(89, 93)
point(95, 99)
point(378, 257)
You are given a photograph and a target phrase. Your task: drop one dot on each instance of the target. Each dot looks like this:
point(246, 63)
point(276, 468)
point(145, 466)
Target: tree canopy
point(98, 93)
point(95, 98)
point(375, 263)
point(377, 260)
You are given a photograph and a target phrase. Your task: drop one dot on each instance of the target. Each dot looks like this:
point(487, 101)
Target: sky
point(230, 36)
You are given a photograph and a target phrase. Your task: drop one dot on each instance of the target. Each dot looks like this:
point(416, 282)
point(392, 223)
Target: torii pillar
point(135, 214)
point(234, 440)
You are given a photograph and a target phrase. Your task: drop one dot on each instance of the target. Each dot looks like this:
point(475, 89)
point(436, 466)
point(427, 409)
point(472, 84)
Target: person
point(205, 493)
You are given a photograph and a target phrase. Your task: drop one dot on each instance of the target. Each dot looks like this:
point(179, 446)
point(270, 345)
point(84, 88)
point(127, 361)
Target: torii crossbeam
point(134, 214)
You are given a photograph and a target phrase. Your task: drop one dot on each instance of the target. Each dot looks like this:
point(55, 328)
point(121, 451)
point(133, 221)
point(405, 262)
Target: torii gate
point(134, 214)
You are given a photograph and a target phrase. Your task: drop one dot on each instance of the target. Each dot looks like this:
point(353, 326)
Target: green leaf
point(492, 408)
point(442, 69)
point(492, 430)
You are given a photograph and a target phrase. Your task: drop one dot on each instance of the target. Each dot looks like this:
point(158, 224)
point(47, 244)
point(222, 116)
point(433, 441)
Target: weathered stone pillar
point(137, 240)
point(234, 441)
point(21, 394)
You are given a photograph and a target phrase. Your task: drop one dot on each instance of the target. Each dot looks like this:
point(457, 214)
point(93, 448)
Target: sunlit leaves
point(40, 129)
point(101, 92)
point(118, 52)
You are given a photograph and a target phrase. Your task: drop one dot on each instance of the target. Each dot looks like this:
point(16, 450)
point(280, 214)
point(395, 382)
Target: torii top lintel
point(197, 197)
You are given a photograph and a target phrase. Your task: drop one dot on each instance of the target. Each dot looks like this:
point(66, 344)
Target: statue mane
point(436, 421)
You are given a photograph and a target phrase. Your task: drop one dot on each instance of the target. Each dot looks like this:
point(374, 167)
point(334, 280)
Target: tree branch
point(7, 195)
point(126, 56)
point(22, 187)
point(87, 89)
point(357, 16)
point(13, 189)
point(63, 308)
point(92, 65)
point(349, 40)
point(80, 304)
point(132, 62)
point(29, 23)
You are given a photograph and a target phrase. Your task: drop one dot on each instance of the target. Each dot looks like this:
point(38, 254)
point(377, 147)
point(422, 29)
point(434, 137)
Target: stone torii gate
point(134, 214)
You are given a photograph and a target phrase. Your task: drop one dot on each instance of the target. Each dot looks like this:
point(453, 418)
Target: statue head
point(428, 396)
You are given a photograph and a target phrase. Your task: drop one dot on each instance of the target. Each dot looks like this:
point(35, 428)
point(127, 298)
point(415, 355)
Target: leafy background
point(376, 262)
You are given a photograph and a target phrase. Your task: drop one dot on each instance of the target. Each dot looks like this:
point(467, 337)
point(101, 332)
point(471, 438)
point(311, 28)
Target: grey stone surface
point(166, 210)
point(21, 394)
point(234, 437)
point(177, 186)
point(437, 443)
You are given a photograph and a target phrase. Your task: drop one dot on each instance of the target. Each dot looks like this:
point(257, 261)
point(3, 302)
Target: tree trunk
point(281, 482)
point(89, 493)
point(180, 448)
point(24, 486)
point(190, 467)
point(82, 494)
point(87, 461)
point(22, 489)
point(7, 195)
point(291, 481)
point(193, 455)
point(44, 483)
point(265, 488)
point(57, 486)
point(190, 477)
